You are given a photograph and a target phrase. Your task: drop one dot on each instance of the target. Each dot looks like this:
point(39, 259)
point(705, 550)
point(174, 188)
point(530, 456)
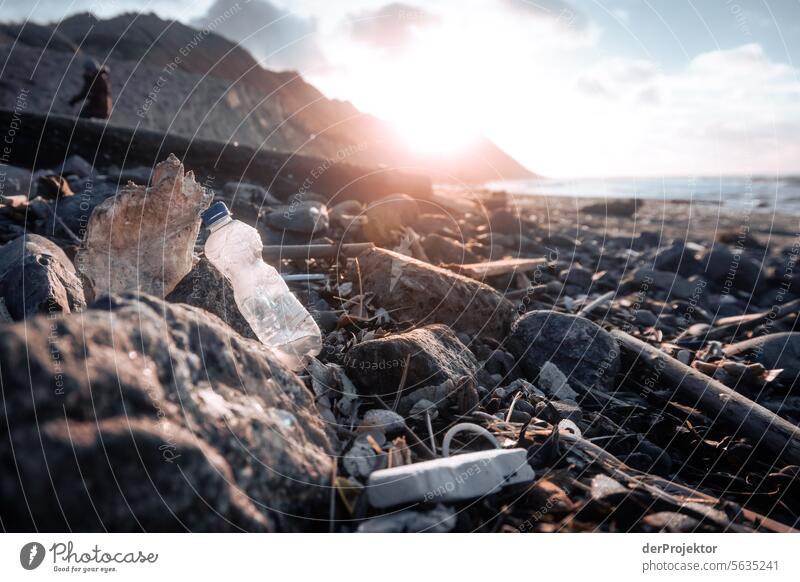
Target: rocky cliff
point(198, 84)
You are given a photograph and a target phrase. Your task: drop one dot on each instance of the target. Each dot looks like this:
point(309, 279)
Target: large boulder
point(143, 415)
point(37, 277)
point(434, 355)
point(142, 239)
point(579, 348)
point(207, 288)
point(421, 293)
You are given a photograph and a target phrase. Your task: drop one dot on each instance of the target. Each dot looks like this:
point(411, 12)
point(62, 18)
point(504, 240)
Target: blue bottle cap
point(214, 213)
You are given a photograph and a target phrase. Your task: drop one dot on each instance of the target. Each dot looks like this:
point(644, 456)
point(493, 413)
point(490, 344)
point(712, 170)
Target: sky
point(569, 88)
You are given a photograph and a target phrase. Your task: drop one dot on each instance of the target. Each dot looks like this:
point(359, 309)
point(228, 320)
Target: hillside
point(197, 83)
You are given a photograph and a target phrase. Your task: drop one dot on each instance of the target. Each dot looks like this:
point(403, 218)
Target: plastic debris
point(466, 427)
point(276, 316)
point(142, 238)
point(450, 479)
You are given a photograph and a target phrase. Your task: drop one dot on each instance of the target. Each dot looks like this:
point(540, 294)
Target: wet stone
point(580, 349)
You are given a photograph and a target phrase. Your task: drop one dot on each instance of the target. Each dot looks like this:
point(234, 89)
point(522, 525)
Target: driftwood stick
point(501, 267)
point(667, 490)
point(740, 414)
point(320, 251)
point(738, 324)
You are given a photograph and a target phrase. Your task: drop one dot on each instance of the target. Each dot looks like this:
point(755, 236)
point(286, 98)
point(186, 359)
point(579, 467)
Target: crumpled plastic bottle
point(278, 319)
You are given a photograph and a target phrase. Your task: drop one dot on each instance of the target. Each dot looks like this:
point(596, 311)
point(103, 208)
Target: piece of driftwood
point(727, 327)
point(586, 310)
point(688, 499)
point(740, 414)
point(684, 499)
point(501, 267)
point(752, 320)
point(321, 251)
point(416, 291)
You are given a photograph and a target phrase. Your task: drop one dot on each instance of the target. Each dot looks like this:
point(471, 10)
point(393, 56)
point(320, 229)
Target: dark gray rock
point(677, 259)
point(442, 249)
point(554, 383)
point(326, 320)
point(625, 208)
point(386, 421)
point(144, 415)
point(558, 410)
point(388, 216)
point(120, 474)
point(76, 166)
point(646, 239)
point(645, 317)
point(307, 217)
point(731, 268)
point(207, 288)
point(17, 181)
point(75, 211)
point(460, 396)
point(435, 355)
point(427, 223)
point(506, 221)
point(501, 362)
point(251, 193)
point(563, 240)
point(671, 285)
point(136, 174)
point(578, 276)
point(37, 277)
point(582, 350)
point(345, 211)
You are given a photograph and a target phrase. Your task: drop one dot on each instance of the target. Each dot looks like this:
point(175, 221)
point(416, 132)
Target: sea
point(756, 192)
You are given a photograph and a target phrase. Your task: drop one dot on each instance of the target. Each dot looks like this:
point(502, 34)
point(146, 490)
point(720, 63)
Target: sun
point(426, 132)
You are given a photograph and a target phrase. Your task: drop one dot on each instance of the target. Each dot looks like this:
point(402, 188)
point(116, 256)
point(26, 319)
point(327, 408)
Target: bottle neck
point(219, 224)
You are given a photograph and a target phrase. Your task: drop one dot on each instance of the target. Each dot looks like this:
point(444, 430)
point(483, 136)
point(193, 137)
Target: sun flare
point(425, 135)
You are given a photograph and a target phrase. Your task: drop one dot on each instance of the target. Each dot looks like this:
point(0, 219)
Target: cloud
point(277, 37)
point(748, 59)
point(390, 26)
point(735, 108)
point(561, 12)
point(620, 77)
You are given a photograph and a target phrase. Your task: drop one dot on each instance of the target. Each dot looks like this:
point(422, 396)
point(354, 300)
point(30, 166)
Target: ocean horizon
point(761, 192)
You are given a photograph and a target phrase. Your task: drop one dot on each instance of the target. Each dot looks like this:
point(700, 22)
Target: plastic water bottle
point(276, 316)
